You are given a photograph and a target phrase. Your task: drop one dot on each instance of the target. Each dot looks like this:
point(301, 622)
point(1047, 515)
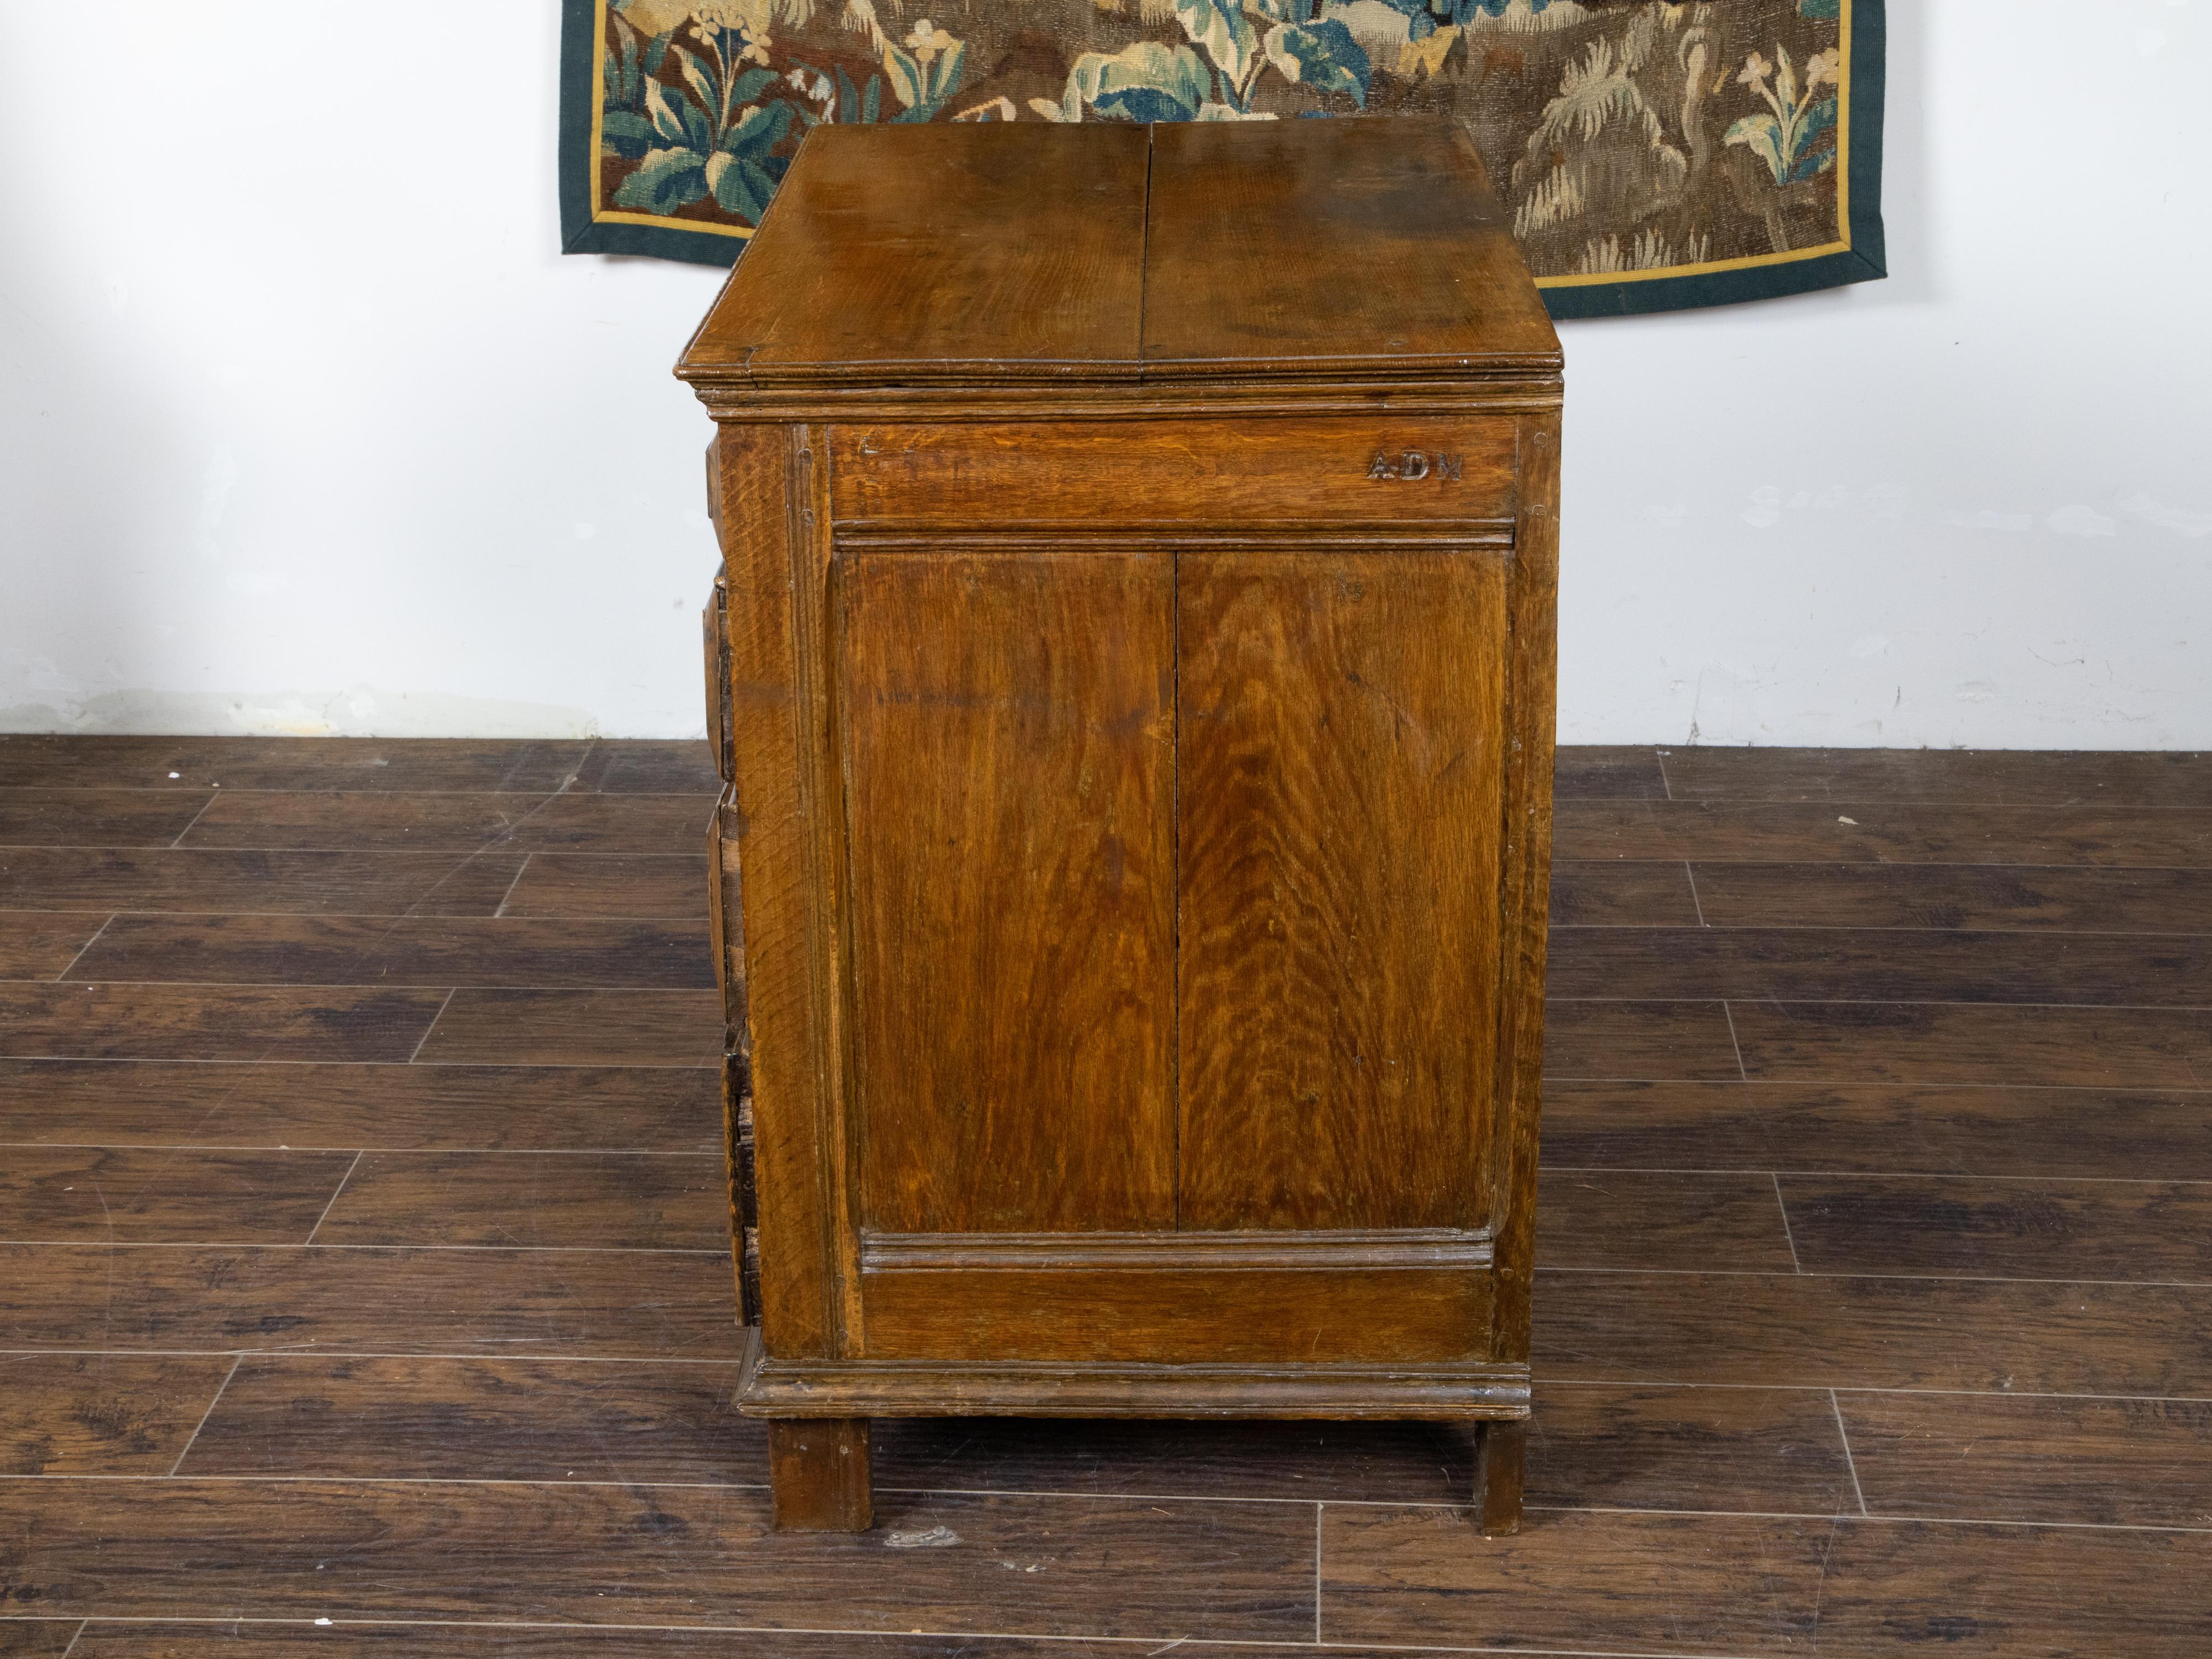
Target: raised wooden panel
point(1005, 735)
point(1340, 741)
point(1335, 469)
point(1191, 1316)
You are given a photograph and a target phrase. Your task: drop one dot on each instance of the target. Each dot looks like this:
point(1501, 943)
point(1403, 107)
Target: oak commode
point(1134, 673)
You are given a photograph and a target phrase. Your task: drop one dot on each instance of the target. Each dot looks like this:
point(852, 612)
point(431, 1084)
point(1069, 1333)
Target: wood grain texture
point(628, 1555)
point(1888, 832)
point(1669, 1219)
point(442, 1419)
point(1954, 1042)
point(231, 1640)
point(1214, 472)
point(575, 821)
point(616, 1304)
point(660, 886)
point(1807, 1331)
point(102, 1414)
point(97, 817)
point(1654, 1584)
point(1190, 1316)
point(40, 945)
point(2080, 1463)
point(254, 883)
point(1819, 964)
point(819, 1468)
point(638, 768)
point(441, 951)
point(1591, 1445)
point(1634, 1040)
point(566, 1201)
point(1979, 777)
point(492, 1108)
point(779, 700)
point(1976, 1227)
point(604, 1027)
point(2038, 898)
point(1525, 877)
point(968, 583)
point(1594, 771)
point(1006, 747)
point(166, 1195)
point(854, 276)
point(1642, 894)
point(351, 764)
point(2115, 1438)
point(215, 1022)
point(1501, 1454)
point(38, 1639)
point(1338, 793)
point(1245, 219)
point(1751, 1451)
point(1954, 1129)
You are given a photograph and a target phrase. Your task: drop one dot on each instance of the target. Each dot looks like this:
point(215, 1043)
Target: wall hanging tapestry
point(1655, 155)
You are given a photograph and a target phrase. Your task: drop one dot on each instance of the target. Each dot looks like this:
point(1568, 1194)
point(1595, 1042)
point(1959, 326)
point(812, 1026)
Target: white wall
point(305, 425)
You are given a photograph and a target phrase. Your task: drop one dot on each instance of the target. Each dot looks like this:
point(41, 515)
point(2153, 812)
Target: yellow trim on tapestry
point(1710, 267)
point(665, 223)
point(599, 101)
point(1844, 126)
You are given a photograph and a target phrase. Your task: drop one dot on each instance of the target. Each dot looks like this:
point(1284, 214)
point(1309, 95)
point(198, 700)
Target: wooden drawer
point(1339, 470)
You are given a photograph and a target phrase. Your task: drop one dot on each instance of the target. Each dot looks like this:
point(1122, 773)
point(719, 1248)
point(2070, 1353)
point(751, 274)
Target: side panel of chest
point(1123, 875)
point(1339, 761)
point(1008, 771)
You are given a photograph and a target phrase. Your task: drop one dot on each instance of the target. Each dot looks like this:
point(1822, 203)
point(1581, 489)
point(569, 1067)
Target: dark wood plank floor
point(363, 1288)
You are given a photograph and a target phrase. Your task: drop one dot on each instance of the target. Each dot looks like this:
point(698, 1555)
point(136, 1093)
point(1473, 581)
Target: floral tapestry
point(1654, 154)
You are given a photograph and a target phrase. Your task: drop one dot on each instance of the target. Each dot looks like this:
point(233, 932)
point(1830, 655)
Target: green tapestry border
point(1858, 254)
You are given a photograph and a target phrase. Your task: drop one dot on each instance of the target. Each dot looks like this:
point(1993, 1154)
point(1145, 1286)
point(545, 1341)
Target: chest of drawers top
point(1163, 263)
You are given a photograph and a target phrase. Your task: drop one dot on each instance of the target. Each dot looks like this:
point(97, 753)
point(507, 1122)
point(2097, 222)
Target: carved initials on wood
point(1415, 464)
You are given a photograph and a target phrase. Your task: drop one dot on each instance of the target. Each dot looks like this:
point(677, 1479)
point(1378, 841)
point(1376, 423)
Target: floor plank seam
point(1149, 1498)
point(500, 913)
point(1789, 1234)
point(335, 1191)
point(1736, 1043)
point(213, 797)
point(192, 1439)
point(1318, 1511)
point(416, 1053)
point(1830, 1274)
point(308, 1243)
point(1812, 1172)
point(1696, 903)
point(1160, 1646)
point(63, 977)
point(714, 1064)
point(414, 1149)
point(1850, 1462)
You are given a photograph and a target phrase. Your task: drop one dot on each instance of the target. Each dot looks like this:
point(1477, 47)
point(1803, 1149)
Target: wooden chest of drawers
point(1134, 670)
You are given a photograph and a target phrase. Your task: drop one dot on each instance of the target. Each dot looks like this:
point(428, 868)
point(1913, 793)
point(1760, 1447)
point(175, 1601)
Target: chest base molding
point(864, 1388)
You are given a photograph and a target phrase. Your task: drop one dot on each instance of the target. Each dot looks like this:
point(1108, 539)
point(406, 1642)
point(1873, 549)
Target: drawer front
point(1337, 470)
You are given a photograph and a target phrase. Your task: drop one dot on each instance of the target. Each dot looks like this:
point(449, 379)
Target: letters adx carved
point(1415, 464)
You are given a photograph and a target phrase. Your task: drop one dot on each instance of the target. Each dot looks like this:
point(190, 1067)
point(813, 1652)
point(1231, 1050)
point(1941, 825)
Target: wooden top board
point(993, 253)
